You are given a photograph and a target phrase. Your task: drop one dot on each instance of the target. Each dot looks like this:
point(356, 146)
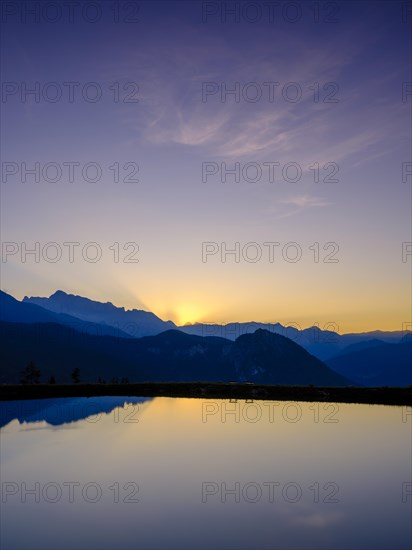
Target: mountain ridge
point(169, 341)
point(169, 356)
point(11, 310)
point(134, 322)
point(323, 343)
point(378, 365)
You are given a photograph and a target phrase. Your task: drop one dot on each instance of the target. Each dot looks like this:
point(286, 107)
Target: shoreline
point(209, 390)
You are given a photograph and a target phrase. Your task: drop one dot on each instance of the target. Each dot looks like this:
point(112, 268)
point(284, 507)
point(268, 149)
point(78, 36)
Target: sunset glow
point(230, 171)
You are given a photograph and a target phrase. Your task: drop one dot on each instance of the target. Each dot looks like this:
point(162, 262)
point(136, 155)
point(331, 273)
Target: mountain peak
point(59, 293)
point(269, 357)
point(262, 335)
point(135, 323)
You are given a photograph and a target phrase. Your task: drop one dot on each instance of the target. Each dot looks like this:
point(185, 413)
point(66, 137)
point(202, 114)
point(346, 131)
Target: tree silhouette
point(76, 376)
point(31, 374)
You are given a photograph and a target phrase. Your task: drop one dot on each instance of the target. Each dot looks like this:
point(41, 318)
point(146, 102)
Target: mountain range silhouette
point(64, 332)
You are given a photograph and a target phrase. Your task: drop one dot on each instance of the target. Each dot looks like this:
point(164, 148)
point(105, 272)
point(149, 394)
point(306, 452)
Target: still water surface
point(171, 473)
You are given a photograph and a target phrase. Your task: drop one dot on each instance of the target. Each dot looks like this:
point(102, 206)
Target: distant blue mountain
point(36, 329)
point(135, 323)
point(12, 310)
point(320, 343)
point(323, 344)
point(359, 346)
point(377, 365)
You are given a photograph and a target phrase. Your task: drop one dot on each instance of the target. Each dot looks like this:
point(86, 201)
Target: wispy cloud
point(319, 520)
point(171, 110)
point(305, 201)
point(298, 204)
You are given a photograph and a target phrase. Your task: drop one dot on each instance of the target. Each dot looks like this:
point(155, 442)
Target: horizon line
point(290, 325)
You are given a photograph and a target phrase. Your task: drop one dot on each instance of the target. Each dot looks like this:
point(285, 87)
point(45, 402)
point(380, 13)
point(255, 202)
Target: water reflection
point(63, 410)
point(199, 474)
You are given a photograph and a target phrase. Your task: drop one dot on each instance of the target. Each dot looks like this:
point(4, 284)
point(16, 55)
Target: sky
point(168, 141)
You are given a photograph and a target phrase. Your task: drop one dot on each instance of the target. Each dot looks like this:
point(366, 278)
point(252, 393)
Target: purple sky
point(319, 98)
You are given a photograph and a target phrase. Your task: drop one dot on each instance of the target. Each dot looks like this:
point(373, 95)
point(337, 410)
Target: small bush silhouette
point(31, 374)
point(76, 376)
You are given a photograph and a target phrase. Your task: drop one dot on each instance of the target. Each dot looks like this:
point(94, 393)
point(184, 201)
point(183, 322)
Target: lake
point(173, 473)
